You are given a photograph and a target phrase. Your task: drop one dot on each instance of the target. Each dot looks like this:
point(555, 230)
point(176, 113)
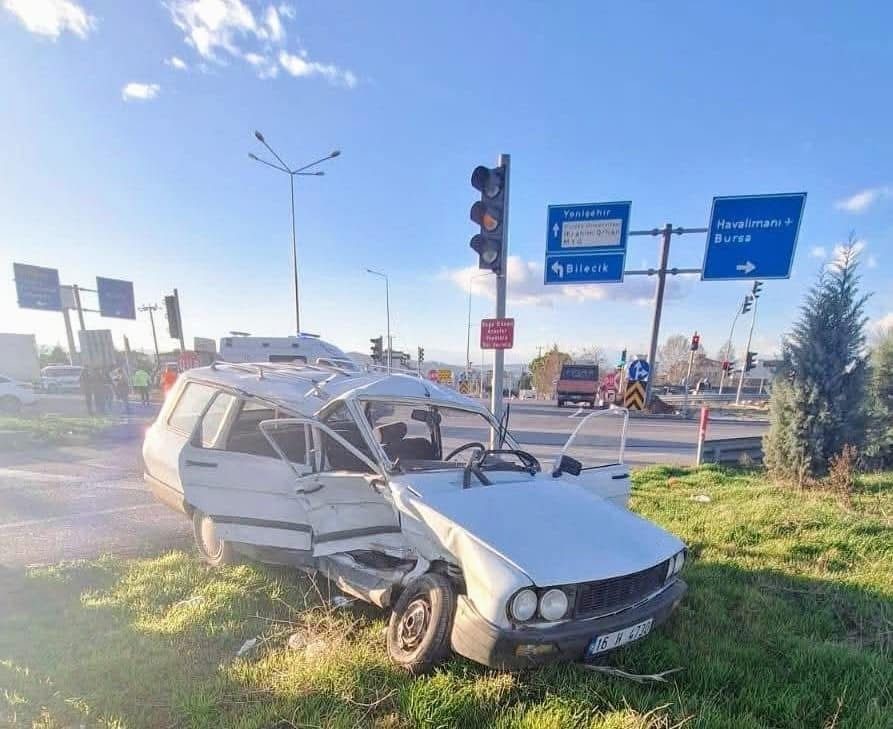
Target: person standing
point(102, 390)
point(87, 389)
point(168, 377)
point(122, 390)
point(141, 384)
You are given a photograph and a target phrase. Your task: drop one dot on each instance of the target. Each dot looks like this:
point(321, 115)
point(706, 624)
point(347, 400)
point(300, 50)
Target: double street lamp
point(292, 173)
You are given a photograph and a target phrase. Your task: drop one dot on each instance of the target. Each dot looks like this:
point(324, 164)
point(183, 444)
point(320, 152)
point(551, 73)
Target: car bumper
point(481, 641)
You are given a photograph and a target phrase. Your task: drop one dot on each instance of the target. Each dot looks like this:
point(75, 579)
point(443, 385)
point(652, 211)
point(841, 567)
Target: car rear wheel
point(212, 549)
point(420, 624)
point(9, 404)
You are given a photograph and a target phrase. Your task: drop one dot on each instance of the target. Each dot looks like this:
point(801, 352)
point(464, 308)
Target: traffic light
point(622, 362)
point(488, 214)
point(757, 285)
point(695, 342)
point(750, 361)
point(421, 355)
point(748, 303)
point(377, 352)
point(726, 365)
point(173, 316)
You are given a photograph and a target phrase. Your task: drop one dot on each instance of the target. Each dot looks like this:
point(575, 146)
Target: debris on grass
point(701, 498)
point(247, 646)
point(637, 677)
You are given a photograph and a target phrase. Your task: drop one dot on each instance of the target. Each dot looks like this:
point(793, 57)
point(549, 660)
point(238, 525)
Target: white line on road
point(576, 414)
point(67, 517)
point(37, 475)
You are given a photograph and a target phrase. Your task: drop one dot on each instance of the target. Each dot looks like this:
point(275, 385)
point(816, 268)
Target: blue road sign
point(37, 287)
point(593, 268)
point(115, 298)
point(638, 371)
point(586, 243)
point(752, 236)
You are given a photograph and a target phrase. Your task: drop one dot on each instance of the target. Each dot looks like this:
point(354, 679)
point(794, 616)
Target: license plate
point(610, 641)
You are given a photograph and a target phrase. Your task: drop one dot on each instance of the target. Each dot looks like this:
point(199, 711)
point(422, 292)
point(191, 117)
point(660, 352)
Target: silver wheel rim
point(208, 536)
point(414, 624)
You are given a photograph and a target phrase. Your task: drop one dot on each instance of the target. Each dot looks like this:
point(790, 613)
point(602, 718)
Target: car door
point(348, 503)
point(231, 472)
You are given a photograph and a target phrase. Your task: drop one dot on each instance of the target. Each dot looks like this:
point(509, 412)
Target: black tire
point(421, 622)
point(561, 403)
point(214, 551)
point(10, 405)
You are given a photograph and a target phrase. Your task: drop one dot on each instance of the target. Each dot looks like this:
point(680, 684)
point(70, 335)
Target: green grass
point(788, 623)
point(53, 429)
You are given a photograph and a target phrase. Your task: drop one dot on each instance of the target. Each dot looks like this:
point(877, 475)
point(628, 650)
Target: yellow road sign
point(634, 397)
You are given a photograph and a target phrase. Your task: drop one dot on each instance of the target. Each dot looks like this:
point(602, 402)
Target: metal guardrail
point(733, 450)
point(709, 397)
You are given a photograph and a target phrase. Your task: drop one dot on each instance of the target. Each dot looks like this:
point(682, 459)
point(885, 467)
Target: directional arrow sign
point(37, 287)
point(586, 243)
point(752, 236)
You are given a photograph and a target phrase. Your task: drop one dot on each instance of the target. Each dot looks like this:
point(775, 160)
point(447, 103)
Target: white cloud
point(300, 66)
point(223, 29)
point(52, 17)
point(525, 286)
point(177, 62)
point(135, 91)
point(882, 325)
point(819, 252)
point(864, 199)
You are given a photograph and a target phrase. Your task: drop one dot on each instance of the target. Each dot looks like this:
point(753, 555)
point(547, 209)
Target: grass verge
point(788, 623)
point(16, 432)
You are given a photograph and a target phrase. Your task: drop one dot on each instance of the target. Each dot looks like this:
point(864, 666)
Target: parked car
point(578, 383)
point(15, 394)
point(60, 378)
point(384, 484)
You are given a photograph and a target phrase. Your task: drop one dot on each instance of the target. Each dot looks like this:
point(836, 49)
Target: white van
point(302, 349)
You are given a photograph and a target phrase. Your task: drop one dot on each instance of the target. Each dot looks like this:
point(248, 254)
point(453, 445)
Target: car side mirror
point(567, 465)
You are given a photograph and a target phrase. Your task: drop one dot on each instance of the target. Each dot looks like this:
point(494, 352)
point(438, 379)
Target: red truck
point(578, 383)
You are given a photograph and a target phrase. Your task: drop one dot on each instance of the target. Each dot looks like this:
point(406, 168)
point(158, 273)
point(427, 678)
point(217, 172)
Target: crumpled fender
point(490, 579)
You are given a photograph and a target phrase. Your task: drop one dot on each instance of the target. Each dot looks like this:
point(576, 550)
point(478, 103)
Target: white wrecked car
point(386, 484)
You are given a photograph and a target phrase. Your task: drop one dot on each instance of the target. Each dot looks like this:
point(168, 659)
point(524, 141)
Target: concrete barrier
point(733, 450)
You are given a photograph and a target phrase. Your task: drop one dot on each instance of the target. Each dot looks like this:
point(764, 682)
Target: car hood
point(554, 531)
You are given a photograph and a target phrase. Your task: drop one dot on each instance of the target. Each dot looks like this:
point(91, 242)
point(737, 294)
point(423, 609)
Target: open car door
point(597, 444)
point(346, 498)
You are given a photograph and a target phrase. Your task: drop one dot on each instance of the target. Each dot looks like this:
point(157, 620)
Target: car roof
point(307, 389)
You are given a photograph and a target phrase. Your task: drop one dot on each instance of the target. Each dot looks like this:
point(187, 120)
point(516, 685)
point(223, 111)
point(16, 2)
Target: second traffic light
point(172, 308)
point(488, 213)
point(750, 361)
point(748, 303)
point(376, 349)
point(421, 355)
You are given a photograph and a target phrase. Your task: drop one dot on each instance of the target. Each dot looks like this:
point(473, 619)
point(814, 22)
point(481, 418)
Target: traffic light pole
point(152, 308)
point(753, 320)
point(499, 354)
point(180, 322)
point(722, 377)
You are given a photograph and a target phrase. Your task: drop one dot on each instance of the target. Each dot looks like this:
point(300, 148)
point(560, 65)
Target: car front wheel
point(420, 624)
point(212, 549)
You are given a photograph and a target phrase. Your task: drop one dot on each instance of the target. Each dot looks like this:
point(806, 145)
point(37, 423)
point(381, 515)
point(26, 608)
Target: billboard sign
point(97, 349)
point(37, 287)
point(115, 298)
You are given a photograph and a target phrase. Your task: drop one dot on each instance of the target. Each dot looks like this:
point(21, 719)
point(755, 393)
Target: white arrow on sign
point(558, 268)
point(747, 267)
point(555, 230)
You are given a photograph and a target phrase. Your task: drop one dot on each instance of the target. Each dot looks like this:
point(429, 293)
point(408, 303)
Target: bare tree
point(673, 357)
point(545, 369)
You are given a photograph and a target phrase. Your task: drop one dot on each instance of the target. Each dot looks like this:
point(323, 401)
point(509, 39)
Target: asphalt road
point(78, 502)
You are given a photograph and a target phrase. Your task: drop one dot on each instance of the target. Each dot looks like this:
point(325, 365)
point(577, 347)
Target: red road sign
point(497, 333)
point(432, 375)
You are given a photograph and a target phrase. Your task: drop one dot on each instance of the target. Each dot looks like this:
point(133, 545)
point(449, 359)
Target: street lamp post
point(302, 171)
point(387, 305)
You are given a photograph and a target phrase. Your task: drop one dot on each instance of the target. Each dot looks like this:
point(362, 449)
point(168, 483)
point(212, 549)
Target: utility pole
point(695, 342)
point(151, 308)
point(77, 302)
point(753, 320)
point(499, 354)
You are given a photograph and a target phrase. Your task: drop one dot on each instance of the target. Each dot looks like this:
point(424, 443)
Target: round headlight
point(523, 605)
point(553, 604)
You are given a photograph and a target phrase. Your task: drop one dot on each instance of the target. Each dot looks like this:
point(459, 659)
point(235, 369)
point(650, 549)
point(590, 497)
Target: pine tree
point(879, 448)
point(818, 400)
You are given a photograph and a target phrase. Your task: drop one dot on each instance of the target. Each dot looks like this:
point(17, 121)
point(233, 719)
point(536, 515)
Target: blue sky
point(120, 161)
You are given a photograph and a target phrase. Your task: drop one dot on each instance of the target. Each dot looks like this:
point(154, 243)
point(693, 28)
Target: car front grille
point(608, 596)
